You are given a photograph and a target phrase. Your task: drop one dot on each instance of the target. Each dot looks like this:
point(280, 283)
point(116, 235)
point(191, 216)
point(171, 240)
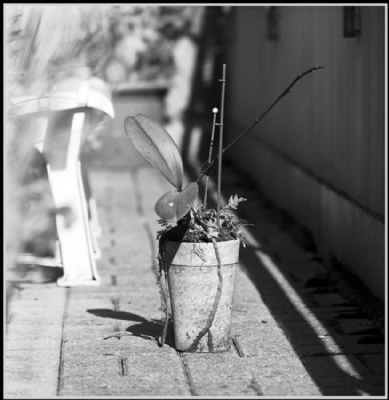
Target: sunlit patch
point(294, 298)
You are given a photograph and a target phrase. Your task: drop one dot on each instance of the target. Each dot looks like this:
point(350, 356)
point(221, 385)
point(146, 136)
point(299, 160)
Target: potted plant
point(198, 247)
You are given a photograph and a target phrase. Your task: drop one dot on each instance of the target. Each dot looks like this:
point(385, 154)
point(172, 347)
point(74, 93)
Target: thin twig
point(125, 333)
point(284, 93)
point(163, 291)
point(166, 320)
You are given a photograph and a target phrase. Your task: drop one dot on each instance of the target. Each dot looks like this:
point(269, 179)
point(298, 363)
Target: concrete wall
point(320, 154)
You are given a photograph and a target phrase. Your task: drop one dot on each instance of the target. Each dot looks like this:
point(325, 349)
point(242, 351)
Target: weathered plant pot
point(194, 289)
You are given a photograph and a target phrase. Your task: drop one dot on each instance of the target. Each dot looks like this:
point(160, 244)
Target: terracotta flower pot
point(201, 293)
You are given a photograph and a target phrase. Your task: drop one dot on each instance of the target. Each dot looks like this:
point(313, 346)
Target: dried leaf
point(155, 144)
point(234, 201)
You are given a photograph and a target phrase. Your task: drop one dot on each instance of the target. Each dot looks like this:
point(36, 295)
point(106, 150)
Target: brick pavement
point(293, 334)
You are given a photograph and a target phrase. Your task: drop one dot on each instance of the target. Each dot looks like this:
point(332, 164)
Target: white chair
point(61, 121)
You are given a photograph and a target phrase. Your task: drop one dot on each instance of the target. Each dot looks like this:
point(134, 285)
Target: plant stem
point(284, 93)
point(215, 111)
point(163, 290)
point(221, 124)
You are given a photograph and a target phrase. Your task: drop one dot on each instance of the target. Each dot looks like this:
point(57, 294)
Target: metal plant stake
point(215, 111)
point(221, 125)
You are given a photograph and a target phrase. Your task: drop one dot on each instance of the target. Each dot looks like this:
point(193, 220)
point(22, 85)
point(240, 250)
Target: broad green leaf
point(173, 206)
point(155, 144)
point(165, 207)
point(185, 200)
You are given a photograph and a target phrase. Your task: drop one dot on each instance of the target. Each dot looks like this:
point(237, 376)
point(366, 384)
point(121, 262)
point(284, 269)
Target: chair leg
point(74, 232)
point(96, 230)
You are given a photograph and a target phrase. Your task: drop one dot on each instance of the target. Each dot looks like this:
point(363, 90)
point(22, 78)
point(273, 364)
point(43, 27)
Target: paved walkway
point(293, 333)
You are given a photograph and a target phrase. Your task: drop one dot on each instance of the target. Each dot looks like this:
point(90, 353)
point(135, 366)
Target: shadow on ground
point(146, 329)
point(321, 363)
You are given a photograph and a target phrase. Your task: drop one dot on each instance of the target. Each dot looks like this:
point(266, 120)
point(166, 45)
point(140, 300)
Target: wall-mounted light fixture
point(272, 25)
point(351, 21)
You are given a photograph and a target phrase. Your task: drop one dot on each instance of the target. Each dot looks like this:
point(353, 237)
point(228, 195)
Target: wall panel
point(330, 127)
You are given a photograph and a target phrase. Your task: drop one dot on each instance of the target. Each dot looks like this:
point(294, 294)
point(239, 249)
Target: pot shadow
point(145, 329)
point(152, 328)
point(122, 315)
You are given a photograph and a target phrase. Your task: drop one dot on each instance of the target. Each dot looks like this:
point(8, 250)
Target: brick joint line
point(123, 366)
point(116, 303)
point(61, 360)
point(187, 375)
point(255, 386)
point(236, 345)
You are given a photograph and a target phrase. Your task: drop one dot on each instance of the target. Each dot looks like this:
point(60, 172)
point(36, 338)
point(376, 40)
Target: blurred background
point(320, 155)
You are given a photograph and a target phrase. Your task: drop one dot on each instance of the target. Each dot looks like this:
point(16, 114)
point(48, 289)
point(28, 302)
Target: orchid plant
point(181, 219)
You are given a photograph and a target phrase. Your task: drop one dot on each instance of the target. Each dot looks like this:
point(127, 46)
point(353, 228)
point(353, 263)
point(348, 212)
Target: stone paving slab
point(31, 372)
point(33, 341)
point(283, 376)
point(34, 337)
point(219, 374)
point(117, 368)
point(126, 375)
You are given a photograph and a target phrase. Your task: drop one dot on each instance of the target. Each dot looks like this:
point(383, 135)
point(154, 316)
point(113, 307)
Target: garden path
point(292, 334)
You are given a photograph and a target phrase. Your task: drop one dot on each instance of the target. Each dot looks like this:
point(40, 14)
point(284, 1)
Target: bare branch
point(209, 165)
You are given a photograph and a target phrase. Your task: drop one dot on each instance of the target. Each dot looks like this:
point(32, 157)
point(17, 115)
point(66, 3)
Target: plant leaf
point(185, 200)
point(173, 206)
point(155, 144)
point(165, 206)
